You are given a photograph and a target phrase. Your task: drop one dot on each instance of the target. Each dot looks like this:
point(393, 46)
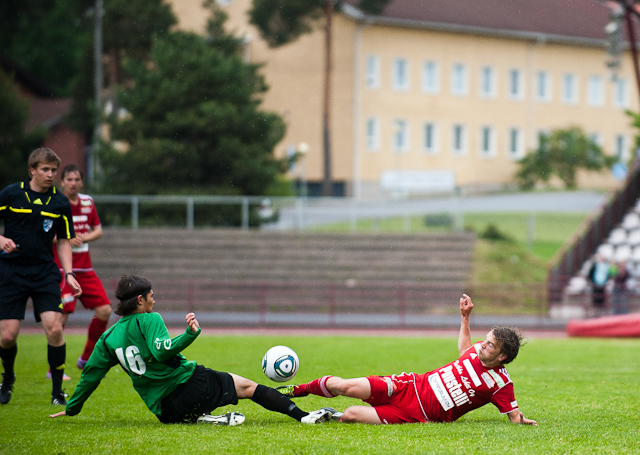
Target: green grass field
point(583, 393)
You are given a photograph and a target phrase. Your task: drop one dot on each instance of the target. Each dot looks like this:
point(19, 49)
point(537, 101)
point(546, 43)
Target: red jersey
point(85, 217)
point(464, 385)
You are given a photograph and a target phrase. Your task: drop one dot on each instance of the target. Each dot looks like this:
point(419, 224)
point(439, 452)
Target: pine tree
point(193, 123)
point(15, 143)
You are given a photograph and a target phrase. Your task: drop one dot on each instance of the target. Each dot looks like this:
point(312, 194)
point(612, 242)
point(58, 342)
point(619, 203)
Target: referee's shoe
point(6, 388)
point(59, 399)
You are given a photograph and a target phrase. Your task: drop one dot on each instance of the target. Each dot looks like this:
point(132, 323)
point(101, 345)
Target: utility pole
point(94, 149)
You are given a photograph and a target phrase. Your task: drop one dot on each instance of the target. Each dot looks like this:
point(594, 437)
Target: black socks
point(56, 356)
point(273, 400)
point(8, 357)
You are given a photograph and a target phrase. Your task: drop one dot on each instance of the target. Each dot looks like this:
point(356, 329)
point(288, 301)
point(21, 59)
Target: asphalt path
point(319, 211)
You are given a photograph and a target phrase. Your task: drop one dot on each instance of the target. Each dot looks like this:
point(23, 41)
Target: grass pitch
point(582, 392)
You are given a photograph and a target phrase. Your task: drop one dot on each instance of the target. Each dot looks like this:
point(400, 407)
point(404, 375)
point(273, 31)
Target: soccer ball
point(280, 363)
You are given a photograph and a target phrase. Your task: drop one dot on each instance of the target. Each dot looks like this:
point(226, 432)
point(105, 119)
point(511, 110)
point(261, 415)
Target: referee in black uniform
point(34, 212)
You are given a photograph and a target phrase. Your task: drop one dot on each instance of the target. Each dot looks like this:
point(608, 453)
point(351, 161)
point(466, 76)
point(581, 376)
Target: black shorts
point(206, 390)
point(18, 282)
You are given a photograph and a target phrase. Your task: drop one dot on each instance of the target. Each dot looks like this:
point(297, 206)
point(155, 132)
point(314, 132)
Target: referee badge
point(47, 225)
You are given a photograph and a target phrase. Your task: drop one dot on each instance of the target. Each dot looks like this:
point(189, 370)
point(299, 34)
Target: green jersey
point(141, 344)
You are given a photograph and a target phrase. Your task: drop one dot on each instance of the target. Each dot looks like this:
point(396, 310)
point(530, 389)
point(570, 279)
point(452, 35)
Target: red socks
point(315, 387)
point(96, 329)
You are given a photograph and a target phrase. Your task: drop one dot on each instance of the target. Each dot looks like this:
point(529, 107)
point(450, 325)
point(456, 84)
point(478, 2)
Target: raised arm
point(464, 339)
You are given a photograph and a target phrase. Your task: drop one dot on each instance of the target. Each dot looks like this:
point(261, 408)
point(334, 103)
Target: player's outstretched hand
point(58, 414)
point(466, 305)
point(518, 417)
point(525, 421)
point(192, 322)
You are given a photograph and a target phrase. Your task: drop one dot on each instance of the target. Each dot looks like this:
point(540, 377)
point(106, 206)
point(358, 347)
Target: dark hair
point(42, 155)
point(71, 168)
point(510, 341)
point(127, 292)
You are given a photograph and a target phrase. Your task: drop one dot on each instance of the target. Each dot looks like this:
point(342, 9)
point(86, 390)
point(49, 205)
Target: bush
point(494, 234)
point(438, 219)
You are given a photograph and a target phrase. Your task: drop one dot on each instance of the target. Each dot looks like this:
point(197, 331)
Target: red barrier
point(619, 326)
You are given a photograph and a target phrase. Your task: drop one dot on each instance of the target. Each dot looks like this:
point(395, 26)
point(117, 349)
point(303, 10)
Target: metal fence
point(333, 304)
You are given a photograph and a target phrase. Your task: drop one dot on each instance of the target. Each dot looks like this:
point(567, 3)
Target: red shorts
point(395, 398)
point(93, 293)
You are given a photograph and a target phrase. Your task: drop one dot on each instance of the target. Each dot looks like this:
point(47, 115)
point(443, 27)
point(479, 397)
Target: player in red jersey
point(478, 377)
point(88, 229)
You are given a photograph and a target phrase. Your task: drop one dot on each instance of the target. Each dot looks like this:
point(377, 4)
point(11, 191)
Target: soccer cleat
point(287, 390)
point(230, 419)
point(65, 376)
point(81, 363)
point(6, 388)
point(60, 399)
point(319, 416)
point(335, 415)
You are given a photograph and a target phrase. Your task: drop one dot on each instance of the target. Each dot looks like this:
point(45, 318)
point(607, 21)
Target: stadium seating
point(233, 270)
point(622, 244)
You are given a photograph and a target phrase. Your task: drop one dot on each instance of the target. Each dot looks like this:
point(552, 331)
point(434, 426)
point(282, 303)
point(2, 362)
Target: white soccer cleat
point(229, 419)
point(321, 415)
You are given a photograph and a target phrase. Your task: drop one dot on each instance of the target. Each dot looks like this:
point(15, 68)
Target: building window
point(516, 84)
point(596, 138)
point(621, 93)
point(400, 136)
point(595, 90)
point(430, 138)
point(373, 134)
point(373, 71)
point(401, 74)
point(431, 77)
point(570, 89)
point(459, 85)
point(622, 151)
point(514, 143)
point(543, 86)
point(487, 82)
point(487, 142)
point(542, 134)
point(459, 140)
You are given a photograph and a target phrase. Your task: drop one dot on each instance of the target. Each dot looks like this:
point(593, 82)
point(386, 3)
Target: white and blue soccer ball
point(280, 363)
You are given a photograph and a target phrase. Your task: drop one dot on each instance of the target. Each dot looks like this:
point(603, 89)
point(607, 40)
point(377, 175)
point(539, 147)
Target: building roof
point(24, 79)
point(45, 109)
point(47, 112)
point(570, 21)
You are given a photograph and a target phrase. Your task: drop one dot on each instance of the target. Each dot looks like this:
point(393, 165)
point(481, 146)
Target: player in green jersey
point(174, 389)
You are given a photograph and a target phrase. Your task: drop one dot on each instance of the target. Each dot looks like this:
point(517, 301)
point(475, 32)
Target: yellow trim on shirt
point(13, 209)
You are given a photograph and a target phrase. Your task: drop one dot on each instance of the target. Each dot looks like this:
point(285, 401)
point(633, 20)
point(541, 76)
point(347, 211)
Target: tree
point(129, 27)
point(193, 122)
point(283, 21)
point(562, 153)
point(15, 143)
point(46, 38)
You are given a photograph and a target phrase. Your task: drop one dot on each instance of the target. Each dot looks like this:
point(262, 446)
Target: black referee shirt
point(32, 220)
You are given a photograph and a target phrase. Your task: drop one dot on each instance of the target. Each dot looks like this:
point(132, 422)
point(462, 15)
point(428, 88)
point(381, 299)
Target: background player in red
point(88, 229)
point(478, 377)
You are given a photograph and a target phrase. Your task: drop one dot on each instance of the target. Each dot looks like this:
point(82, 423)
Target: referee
point(34, 212)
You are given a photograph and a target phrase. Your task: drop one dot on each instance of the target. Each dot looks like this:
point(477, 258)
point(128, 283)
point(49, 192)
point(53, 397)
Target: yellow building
point(436, 93)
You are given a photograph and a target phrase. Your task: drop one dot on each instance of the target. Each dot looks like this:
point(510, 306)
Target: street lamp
point(303, 149)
